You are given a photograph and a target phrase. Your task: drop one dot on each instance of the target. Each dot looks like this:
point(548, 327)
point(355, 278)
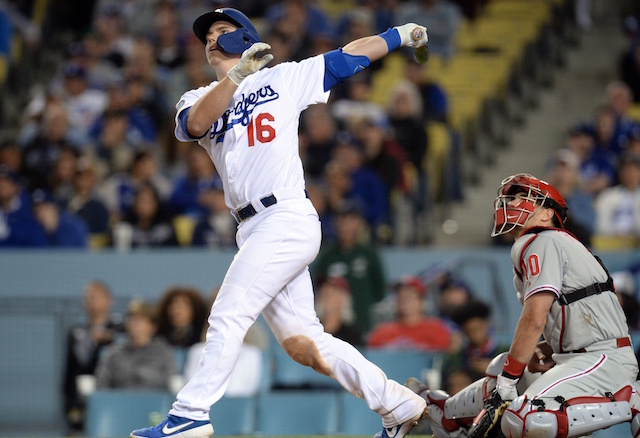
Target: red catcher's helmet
point(535, 193)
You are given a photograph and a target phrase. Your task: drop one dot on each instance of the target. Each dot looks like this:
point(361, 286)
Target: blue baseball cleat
point(400, 430)
point(176, 427)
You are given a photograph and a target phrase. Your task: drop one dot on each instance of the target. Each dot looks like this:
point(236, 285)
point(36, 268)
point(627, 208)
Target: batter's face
point(214, 55)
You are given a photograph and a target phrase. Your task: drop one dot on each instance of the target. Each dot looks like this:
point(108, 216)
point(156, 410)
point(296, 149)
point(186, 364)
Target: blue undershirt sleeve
point(392, 38)
point(182, 119)
point(339, 66)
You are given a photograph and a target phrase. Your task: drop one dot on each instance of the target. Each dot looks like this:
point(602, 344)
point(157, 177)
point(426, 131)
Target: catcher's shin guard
point(577, 417)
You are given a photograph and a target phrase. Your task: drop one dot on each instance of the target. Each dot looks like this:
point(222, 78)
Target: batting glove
point(249, 63)
point(412, 35)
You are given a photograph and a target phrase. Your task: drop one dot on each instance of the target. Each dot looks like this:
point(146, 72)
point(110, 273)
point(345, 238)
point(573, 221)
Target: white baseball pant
point(269, 274)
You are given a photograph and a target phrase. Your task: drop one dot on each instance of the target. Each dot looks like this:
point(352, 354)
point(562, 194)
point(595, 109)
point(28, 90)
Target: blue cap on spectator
point(74, 70)
point(350, 207)
point(8, 173)
point(76, 49)
point(581, 128)
point(40, 196)
point(111, 10)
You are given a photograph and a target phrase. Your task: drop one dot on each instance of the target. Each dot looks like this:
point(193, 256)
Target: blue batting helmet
point(234, 42)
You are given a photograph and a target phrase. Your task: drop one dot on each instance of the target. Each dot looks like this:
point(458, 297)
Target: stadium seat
point(184, 226)
point(99, 240)
point(286, 413)
point(621, 430)
point(117, 412)
point(180, 355)
point(634, 112)
point(399, 365)
point(355, 416)
point(233, 416)
point(288, 373)
point(601, 242)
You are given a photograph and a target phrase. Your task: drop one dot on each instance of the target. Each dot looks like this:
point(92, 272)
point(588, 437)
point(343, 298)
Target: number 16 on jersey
point(260, 129)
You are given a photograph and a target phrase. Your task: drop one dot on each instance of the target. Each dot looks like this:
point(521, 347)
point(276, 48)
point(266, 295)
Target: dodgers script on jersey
point(537, 259)
point(259, 130)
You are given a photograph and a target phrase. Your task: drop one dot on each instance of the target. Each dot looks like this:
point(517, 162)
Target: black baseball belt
point(244, 213)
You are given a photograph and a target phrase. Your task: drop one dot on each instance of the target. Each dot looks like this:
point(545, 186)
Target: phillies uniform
point(255, 149)
point(589, 336)
point(592, 383)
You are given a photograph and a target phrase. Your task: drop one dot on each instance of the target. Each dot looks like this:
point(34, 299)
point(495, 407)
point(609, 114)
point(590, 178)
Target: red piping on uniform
point(526, 245)
point(561, 331)
point(546, 287)
point(602, 359)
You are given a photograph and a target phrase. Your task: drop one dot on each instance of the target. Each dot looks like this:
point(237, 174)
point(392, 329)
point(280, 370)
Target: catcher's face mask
point(519, 197)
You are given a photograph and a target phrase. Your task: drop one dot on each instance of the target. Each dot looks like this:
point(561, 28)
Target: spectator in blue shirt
point(218, 228)
point(18, 226)
point(563, 174)
point(84, 201)
point(597, 171)
point(62, 229)
point(365, 185)
point(190, 192)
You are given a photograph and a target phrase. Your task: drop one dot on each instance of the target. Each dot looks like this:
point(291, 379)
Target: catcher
point(582, 376)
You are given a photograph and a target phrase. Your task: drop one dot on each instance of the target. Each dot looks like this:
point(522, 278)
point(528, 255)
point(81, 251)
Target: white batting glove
point(249, 63)
point(506, 387)
point(412, 35)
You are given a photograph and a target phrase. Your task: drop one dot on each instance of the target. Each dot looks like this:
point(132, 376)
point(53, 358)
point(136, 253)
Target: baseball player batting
point(582, 377)
point(247, 121)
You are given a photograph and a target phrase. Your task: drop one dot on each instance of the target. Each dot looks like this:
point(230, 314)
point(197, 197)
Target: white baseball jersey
point(553, 260)
point(254, 145)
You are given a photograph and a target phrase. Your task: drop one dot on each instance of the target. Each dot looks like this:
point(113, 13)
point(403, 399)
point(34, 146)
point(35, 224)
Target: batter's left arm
point(343, 63)
point(376, 46)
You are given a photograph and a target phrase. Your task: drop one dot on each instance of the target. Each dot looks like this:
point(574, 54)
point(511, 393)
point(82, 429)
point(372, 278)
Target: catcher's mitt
point(484, 425)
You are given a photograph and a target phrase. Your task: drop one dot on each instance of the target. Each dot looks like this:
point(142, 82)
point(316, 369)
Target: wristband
point(392, 38)
point(513, 368)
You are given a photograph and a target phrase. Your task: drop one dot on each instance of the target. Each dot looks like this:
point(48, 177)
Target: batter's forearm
point(210, 107)
point(373, 47)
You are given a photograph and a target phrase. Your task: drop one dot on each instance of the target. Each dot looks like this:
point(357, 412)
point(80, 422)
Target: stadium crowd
point(94, 163)
point(96, 141)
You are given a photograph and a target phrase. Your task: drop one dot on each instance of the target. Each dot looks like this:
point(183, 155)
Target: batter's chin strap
point(594, 289)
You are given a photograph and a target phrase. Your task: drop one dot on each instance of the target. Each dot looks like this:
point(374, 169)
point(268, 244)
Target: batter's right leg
point(291, 316)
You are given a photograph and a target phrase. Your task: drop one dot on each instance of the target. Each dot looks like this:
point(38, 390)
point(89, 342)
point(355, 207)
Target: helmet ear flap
point(237, 41)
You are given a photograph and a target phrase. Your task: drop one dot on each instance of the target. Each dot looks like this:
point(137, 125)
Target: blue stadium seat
point(355, 416)
point(117, 412)
point(399, 365)
point(233, 416)
point(621, 430)
point(285, 413)
point(287, 373)
point(180, 355)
